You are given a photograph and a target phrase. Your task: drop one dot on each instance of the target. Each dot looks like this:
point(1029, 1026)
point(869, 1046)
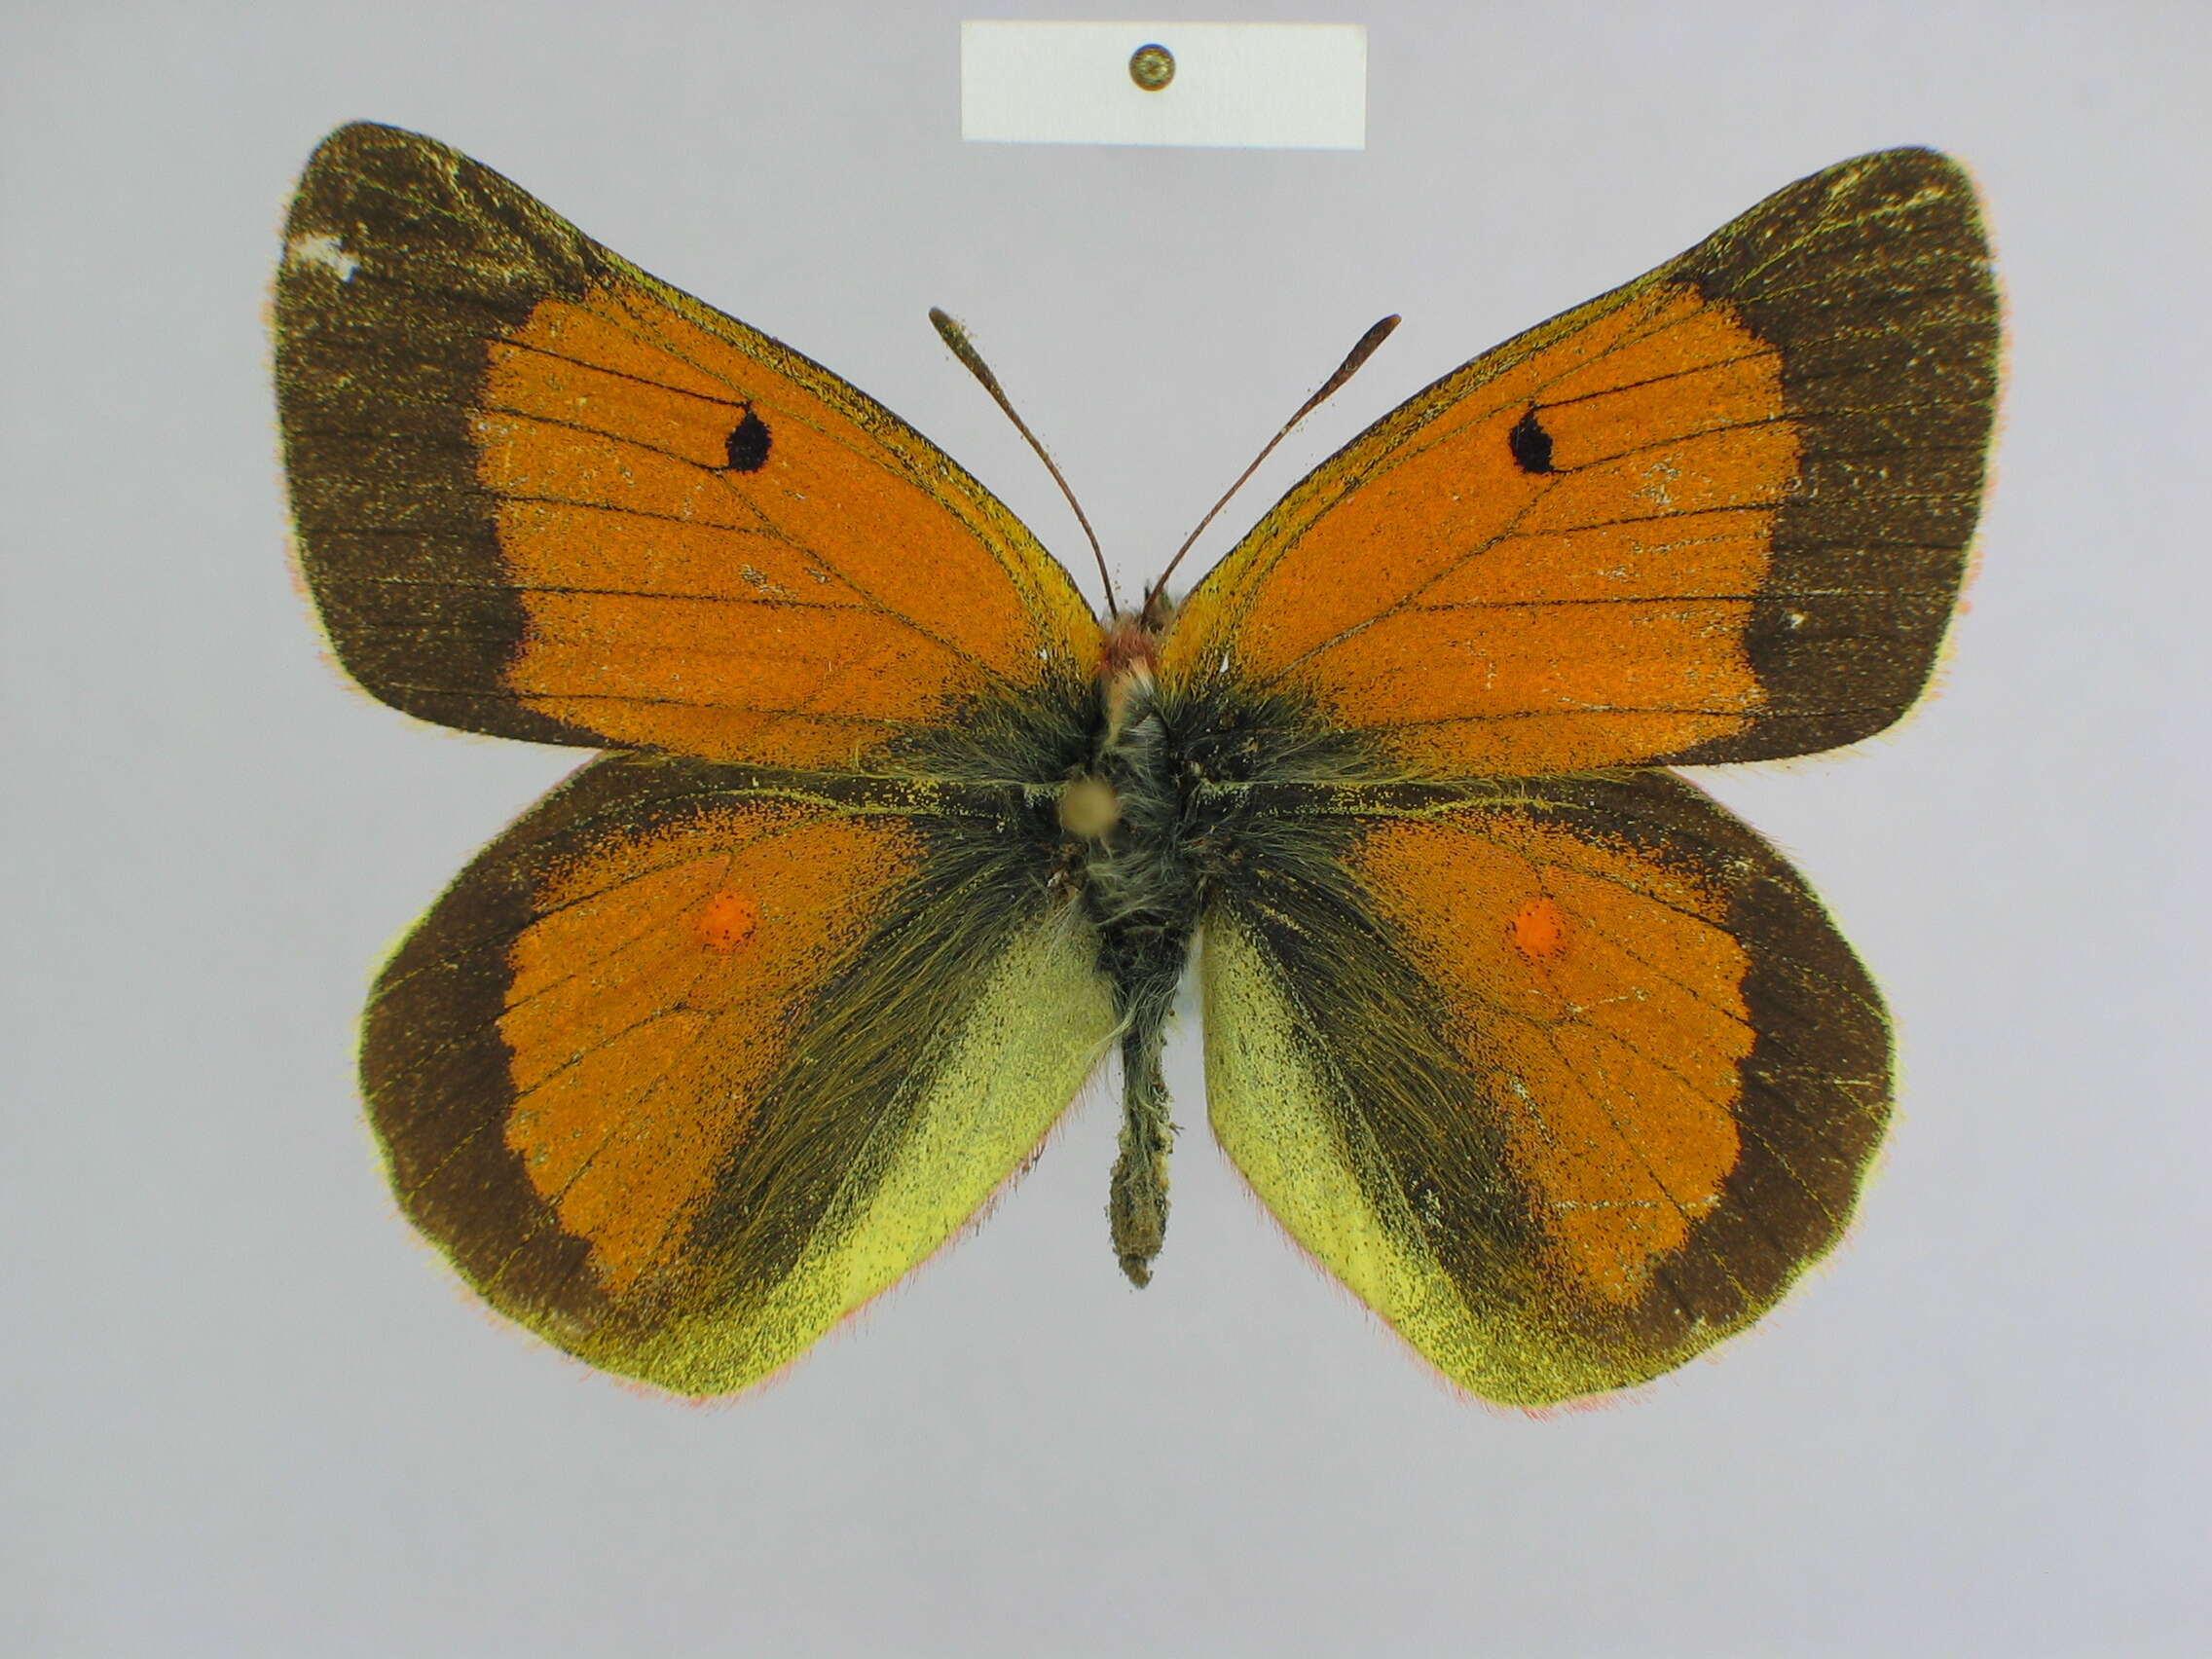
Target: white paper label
point(1265, 86)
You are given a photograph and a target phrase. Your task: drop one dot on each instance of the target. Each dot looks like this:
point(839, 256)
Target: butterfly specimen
point(1559, 1067)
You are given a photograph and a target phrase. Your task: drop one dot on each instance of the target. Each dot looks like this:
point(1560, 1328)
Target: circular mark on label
point(1152, 67)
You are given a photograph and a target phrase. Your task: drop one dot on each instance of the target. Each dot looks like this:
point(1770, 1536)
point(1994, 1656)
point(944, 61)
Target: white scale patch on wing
point(320, 247)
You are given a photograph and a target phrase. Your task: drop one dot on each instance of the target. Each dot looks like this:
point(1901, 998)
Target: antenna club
point(1376, 334)
point(955, 337)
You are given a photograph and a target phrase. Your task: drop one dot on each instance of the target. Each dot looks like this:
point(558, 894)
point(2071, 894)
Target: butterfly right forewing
point(1719, 514)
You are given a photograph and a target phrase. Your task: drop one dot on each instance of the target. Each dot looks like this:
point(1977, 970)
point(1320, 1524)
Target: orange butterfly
point(1556, 1065)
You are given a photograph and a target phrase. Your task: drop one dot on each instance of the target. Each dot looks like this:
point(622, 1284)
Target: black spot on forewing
point(1530, 444)
point(749, 444)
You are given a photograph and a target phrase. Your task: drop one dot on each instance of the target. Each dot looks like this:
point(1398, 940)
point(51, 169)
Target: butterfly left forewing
point(1719, 514)
point(1567, 1081)
point(540, 494)
point(692, 1061)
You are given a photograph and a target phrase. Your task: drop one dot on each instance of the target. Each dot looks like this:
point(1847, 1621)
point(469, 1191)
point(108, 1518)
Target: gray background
point(247, 1413)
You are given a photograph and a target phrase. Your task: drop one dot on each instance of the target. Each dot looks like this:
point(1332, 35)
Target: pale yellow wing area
point(693, 1061)
point(541, 493)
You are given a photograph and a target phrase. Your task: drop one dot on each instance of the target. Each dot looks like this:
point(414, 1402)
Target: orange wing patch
point(728, 920)
point(1539, 930)
point(652, 477)
point(1598, 1000)
point(1554, 557)
point(643, 1037)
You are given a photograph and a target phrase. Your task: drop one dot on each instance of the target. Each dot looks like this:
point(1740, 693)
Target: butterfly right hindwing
point(1566, 1082)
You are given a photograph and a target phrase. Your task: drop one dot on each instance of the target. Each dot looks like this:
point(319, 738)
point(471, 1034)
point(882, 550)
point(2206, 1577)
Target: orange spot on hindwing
point(1539, 930)
point(727, 920)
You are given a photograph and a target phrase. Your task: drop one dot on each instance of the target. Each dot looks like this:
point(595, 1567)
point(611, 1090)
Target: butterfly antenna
point(1350, 366)
point(963, 348)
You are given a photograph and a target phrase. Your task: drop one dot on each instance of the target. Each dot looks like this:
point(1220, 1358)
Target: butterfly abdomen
point(1142, 891)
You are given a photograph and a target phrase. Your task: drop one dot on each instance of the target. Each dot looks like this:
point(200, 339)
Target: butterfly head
point(1126, 662)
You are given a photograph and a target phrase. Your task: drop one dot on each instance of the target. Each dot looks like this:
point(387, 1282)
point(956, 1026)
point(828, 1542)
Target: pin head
point(1152, 67)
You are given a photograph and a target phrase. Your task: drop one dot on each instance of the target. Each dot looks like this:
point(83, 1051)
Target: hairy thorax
point(1125, 807)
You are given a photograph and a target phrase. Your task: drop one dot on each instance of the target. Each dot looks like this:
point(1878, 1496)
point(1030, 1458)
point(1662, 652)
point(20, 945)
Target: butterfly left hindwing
point(691, 1061)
